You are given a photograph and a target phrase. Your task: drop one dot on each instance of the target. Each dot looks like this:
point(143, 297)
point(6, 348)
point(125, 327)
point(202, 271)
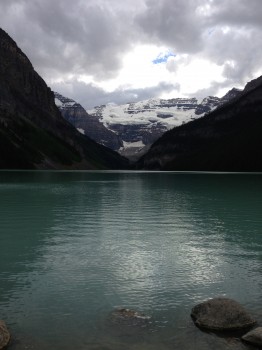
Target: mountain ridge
point(227, 139)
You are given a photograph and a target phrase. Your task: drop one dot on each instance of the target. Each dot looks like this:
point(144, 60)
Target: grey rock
point(129, 317)
point(4, 335)
point(221, 314)
point(254, 337)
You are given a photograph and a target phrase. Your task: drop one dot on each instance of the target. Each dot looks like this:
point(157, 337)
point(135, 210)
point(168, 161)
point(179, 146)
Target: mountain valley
point(132, 128)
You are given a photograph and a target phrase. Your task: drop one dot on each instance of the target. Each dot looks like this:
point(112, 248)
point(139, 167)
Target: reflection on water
point(76, 245)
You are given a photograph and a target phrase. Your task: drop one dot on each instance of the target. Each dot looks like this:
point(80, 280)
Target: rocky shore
point(218, 315)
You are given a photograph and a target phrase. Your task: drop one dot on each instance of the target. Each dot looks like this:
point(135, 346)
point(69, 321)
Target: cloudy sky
point(115, 51)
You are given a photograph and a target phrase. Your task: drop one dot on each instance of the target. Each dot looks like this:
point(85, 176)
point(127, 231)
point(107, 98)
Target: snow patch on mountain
point(138, 144)
point(58, 102)
point(82, 131)
point(133, 127)
point(168, 113)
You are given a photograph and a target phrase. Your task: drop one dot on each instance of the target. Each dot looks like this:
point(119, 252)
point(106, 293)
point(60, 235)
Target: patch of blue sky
point(163, 57)
point(211, 31)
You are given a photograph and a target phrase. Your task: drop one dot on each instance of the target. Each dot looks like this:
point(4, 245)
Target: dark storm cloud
point(236, 38)
point(240, 13)
point(174, 23)
point(65, 38)
point(89, 95)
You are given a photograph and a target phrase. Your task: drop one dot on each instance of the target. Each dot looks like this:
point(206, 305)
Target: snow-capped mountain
point(134, 127)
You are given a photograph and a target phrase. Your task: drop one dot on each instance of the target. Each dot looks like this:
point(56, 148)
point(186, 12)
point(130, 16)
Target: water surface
point(77, 245)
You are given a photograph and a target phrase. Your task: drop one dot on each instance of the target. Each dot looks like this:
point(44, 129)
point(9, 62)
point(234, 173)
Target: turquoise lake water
point(77, 245)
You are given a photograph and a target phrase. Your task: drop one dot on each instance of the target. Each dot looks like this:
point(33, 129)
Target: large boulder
point(221, 314)
point(254, 337)
point(129, 317)
point(4, 335)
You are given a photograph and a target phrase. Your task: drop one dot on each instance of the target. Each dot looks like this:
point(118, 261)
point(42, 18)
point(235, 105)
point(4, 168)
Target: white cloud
point(139, 70)
point(108, 48)
point(198, 74)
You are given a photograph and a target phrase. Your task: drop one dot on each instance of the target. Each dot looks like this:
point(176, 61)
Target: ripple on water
point(77, 247)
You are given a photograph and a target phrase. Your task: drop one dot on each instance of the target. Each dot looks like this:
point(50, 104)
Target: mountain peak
point(231, 94)
point(9, 46)
point(253, 84)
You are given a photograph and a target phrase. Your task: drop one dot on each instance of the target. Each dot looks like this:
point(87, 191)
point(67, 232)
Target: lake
point(77, 245)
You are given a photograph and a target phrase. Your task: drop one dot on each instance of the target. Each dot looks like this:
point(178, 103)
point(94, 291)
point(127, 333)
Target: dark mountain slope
point(228, 139)
point(33, 134)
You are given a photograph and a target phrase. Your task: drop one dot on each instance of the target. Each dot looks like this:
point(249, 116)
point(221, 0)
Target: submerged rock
point(254, 337)
point(4, 335)
point(129, 317)
point(221, 314)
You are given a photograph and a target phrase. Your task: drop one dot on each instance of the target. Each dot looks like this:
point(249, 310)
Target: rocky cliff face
point(33, 134)
point(87, 124)
point(228, 139)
